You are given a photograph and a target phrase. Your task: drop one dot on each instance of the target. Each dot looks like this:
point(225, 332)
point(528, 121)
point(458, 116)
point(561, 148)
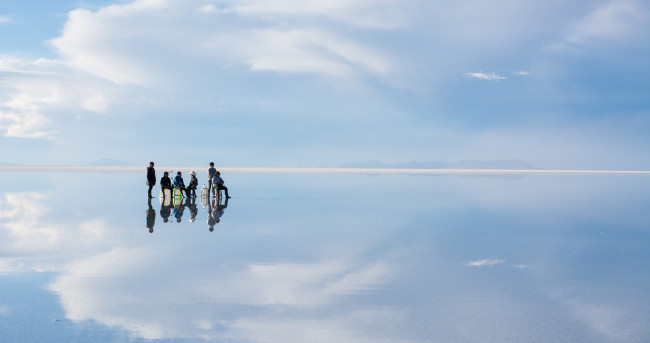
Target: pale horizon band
point(35, 168)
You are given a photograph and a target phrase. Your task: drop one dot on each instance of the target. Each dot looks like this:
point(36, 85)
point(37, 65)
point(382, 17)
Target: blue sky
point(326, 82)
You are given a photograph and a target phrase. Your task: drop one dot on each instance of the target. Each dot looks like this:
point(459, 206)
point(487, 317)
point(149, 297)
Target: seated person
point(178, 182)
point(166, 183)
point(217, 184)
point(194, 182)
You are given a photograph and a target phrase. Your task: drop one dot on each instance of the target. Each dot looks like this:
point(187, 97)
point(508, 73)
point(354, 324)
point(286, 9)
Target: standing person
point(211, 173)
point(166, 183)
point(194, 182)
point(151, 178)
point(217, 183)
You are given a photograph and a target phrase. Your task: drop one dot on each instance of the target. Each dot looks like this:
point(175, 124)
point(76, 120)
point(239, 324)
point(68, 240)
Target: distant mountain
point(465, 164)
point(494, 164)
point(109, 162)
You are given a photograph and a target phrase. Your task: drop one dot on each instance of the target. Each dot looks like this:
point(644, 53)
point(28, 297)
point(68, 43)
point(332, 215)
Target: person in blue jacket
point(178, 182)
point(218, 184)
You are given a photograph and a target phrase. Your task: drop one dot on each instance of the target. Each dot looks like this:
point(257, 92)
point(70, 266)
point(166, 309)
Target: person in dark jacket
point(166, 183)
point(151, 178)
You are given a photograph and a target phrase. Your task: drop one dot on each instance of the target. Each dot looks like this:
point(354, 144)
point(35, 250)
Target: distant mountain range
point(465, 164)
point(108, 162)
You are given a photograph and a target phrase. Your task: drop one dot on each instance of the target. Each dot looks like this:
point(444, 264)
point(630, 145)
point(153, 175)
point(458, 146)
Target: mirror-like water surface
point(326, 258)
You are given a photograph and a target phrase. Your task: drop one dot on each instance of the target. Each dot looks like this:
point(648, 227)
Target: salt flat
point(538, 257)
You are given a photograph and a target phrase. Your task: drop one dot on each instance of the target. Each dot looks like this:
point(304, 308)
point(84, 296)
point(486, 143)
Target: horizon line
point(37, 168)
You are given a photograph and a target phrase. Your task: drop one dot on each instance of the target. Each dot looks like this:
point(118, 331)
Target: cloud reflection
point(156, 301)
point(160, 291)
point(358, 267)
point(31, 241)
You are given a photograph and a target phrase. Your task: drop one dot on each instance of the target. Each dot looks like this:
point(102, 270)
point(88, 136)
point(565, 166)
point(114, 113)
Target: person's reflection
point(214, 216)
point(204, 199)
point(211, 221)
point(151, 217)
point(179, 207)
point(191, 204)
point(166, 209)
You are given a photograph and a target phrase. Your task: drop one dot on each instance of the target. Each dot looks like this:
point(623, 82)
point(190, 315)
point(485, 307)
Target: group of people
point(215, 182)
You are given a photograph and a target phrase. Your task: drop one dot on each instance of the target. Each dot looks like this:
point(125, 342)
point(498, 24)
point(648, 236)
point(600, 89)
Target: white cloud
point(617, 19)
point(37, 95)
point(217, 51)
point(22, 116)
point(485, 76)
point(94, 101)
point(521, 73)
point(208, 9)
point(304, 51)
point(491, 262)
point(86, 45)
point(379, 14)
point(147, 42)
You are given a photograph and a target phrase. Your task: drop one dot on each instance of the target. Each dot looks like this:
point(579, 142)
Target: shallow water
point(327, 258)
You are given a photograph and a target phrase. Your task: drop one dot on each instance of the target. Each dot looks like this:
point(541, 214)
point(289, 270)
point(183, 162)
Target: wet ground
point(326, 258)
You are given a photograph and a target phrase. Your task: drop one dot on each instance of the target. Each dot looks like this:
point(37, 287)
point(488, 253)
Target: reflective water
point(326, 258)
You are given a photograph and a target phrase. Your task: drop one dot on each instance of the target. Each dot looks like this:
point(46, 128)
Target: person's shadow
point(151, 216)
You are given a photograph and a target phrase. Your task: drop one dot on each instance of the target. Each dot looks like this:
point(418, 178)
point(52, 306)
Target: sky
point(559, 85)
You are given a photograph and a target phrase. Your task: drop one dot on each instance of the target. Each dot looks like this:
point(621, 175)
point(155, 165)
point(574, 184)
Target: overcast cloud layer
point(322, 83)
